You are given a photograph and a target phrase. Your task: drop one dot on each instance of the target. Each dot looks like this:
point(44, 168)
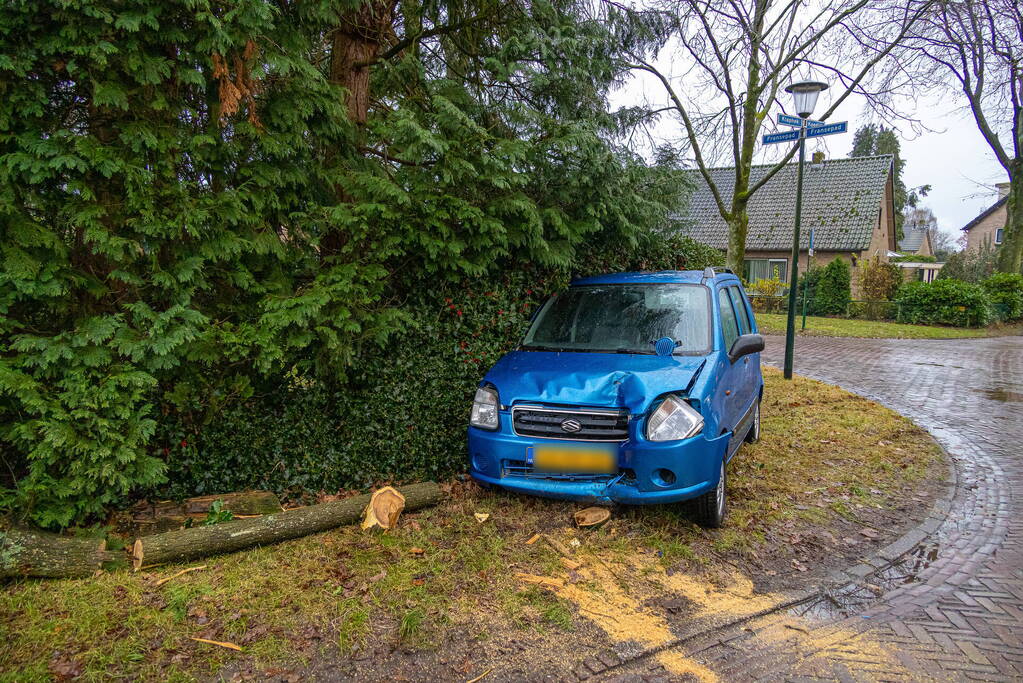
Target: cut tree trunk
point(24, 552)
point(190, 544)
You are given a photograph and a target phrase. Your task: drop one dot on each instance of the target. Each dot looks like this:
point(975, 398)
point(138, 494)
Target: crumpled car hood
point(615, 380)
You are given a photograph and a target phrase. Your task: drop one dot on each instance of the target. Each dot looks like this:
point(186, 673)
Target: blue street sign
point(827, 129)
point(788, 135)
point(786, 120)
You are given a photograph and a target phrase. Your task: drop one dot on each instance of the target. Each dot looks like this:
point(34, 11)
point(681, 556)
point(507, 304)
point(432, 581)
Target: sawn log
point(25, 552)
point(226, 537)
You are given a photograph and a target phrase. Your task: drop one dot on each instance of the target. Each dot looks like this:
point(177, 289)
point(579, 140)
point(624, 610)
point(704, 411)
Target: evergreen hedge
point(1005, 291)
point(943, 302)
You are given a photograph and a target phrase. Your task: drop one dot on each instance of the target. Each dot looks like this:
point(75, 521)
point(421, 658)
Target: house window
point(999, 234)
point(754, 269)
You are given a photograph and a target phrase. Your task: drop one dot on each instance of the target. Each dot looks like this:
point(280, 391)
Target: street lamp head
point(805, 96)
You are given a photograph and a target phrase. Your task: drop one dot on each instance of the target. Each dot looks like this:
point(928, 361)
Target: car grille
point(594, 425)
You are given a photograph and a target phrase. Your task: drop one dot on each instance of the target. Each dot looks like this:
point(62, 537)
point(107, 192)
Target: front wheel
point(709, 509)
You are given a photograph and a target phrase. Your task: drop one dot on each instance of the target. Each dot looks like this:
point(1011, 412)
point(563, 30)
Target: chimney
point(1003, 189)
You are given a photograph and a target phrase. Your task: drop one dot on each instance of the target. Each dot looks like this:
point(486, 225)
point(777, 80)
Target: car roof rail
point(710, 272)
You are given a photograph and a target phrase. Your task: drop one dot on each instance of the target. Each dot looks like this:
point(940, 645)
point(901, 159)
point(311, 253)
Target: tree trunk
point(34, 553)
point(190, 544)
point(738, 226)
point(1010, 254)
point(358, 39)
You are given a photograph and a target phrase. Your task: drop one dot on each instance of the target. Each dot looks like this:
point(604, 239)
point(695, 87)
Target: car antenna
point(708, 273)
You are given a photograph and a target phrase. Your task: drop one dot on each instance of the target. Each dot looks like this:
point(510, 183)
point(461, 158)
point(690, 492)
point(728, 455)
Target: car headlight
point(674, 419)
point(484, 408)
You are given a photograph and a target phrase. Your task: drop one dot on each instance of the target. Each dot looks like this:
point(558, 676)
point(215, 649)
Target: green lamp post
point(805, 96)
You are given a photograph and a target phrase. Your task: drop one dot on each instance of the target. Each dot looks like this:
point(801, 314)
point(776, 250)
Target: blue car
point(628, 388)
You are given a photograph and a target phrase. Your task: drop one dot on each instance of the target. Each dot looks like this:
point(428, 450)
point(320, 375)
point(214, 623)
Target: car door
point(749, 366)
point(732, 379)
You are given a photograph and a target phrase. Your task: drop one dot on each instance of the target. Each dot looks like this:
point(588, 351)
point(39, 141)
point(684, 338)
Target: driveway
point(954, 609)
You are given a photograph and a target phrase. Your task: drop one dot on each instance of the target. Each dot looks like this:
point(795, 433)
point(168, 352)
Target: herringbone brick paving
point(957, 611)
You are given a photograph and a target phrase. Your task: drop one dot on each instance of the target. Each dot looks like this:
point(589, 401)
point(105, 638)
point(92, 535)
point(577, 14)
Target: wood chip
point(183, 571)
point(557, 545)
point(591, 516)
point(570, 564)
point(540, 580)
point(229, 646)
point(533, 539)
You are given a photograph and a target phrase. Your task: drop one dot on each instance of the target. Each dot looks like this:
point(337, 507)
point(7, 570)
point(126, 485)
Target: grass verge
point(774, 323)
point(832, 475)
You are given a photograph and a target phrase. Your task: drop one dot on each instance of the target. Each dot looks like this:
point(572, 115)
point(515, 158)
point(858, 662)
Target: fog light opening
point(663, 477)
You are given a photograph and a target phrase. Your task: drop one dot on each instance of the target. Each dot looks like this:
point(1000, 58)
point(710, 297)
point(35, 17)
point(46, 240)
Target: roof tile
point(841, 200)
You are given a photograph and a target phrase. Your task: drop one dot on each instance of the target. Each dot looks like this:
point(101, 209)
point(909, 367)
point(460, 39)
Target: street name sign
point(827, 129)
point(772, 138)
point(786, 120)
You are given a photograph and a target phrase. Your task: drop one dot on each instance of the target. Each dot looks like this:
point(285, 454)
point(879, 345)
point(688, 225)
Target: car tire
point(753, 434)
point(709, 509)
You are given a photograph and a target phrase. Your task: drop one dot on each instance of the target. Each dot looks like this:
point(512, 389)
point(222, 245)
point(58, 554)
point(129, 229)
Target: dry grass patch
point(833, 476)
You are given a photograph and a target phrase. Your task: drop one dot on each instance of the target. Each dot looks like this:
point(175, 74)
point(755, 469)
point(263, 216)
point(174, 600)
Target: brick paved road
point(954, 611)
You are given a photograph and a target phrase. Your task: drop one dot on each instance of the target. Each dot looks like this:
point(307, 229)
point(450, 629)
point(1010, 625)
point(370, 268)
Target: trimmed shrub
point(943, 302)
point(1005, 291)
point(402, 413)
point(767, 295)
point(974, 265)
point(833, 290)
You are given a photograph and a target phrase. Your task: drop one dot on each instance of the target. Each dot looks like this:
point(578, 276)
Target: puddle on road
point(1001, 395)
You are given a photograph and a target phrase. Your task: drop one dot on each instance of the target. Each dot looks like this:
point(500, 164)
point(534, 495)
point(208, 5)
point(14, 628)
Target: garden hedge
point(1005, 291)
point(943, 302)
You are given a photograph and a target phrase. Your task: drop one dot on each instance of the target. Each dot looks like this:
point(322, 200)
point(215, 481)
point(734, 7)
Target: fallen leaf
point(481, 516)
point(378, 577)
point(533, 539)
point(416, 551)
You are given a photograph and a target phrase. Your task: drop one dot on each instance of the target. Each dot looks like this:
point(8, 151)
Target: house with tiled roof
point(916, 241)
point(847, 205)
point(985, 231)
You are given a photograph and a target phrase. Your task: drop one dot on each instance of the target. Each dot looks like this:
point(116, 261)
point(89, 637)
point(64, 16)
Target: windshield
point(623, 319)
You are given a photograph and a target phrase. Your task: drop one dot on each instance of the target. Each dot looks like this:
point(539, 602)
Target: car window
point(745, 327)
point(728, 324)
point(623, 319)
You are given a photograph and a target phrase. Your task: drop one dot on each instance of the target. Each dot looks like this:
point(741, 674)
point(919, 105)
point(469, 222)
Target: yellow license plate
point(576, 458)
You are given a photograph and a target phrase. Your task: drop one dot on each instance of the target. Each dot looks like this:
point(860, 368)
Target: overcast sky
point(947, 151)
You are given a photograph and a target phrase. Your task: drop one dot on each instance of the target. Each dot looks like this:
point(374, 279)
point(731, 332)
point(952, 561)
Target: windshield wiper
point(533, 347)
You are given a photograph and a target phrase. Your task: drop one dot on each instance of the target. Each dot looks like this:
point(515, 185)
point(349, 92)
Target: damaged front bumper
point(648, 472)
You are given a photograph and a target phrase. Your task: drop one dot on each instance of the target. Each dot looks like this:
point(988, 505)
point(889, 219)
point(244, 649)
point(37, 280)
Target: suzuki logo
point(571, 426)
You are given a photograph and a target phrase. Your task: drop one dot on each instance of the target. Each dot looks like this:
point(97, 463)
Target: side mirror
point(745, 345)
